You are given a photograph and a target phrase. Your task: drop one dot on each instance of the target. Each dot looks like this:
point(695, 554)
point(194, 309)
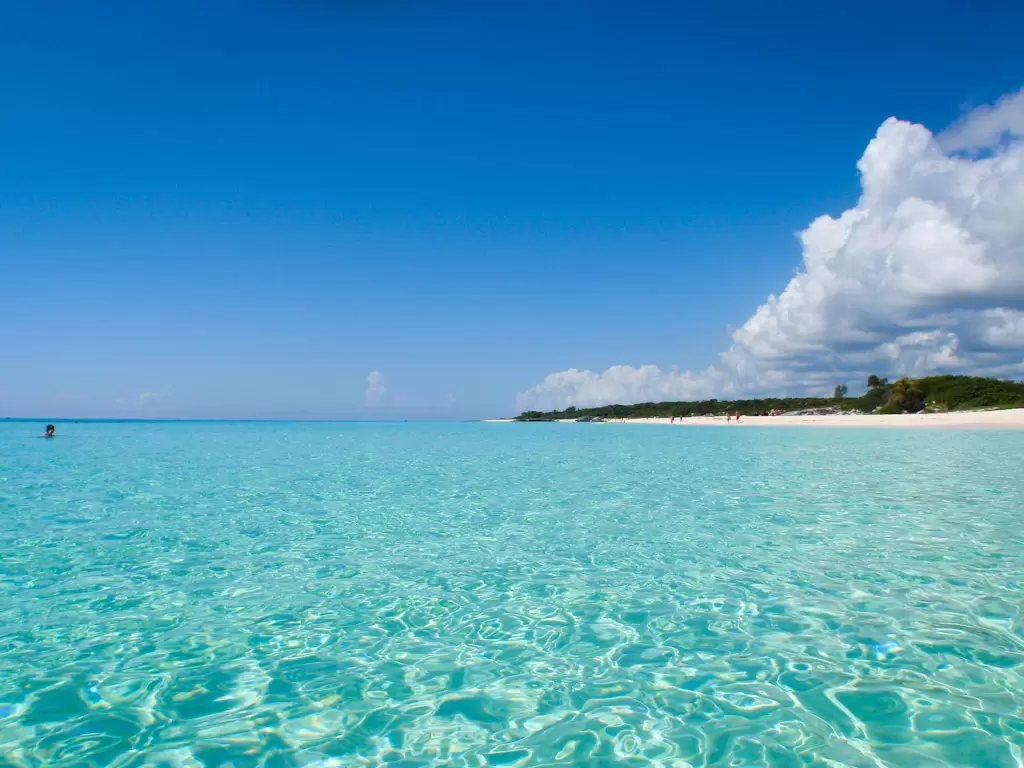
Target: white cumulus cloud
point(925, 274)
point(375, 387)
point(987, 125)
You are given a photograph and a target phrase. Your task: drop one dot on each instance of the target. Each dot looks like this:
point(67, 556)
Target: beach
point(1012, 418)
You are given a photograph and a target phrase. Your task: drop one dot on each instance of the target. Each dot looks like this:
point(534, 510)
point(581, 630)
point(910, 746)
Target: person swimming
point(51, 431)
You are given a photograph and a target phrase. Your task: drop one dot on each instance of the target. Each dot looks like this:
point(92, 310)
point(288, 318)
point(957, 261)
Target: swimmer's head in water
point(50, 429)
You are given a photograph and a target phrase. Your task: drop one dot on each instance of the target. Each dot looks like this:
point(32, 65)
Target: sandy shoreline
point(1003, 419)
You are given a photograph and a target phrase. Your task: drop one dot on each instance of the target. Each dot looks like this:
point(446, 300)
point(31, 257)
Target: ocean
point(358, 594)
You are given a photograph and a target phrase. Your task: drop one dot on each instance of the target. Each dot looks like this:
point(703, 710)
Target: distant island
point(933, 393)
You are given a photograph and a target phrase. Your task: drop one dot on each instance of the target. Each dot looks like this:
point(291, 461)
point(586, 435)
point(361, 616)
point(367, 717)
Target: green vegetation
point(934, 393)
point(955, 393)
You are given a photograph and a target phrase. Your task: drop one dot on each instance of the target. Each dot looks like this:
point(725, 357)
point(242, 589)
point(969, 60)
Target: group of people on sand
point(728, 418)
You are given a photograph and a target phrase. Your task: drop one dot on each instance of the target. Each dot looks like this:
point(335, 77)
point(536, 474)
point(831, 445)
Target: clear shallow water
point(510, 595)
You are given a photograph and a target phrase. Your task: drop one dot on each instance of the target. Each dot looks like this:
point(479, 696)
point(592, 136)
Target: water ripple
point(527, 595)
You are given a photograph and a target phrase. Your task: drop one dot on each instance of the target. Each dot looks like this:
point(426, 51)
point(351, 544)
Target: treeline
point(939, 393)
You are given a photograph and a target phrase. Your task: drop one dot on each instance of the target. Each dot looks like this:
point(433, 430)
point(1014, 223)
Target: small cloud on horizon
point(375, 387)
point(149, 399)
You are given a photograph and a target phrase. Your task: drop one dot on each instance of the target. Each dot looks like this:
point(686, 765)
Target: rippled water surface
point(510, 595)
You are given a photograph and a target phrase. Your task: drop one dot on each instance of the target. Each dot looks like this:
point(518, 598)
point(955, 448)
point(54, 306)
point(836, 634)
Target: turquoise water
point(510, 595)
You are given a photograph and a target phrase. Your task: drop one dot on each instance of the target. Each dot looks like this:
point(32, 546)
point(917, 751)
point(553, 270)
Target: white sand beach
point(1001, 419)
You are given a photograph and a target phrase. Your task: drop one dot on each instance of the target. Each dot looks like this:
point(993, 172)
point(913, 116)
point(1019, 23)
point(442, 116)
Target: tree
point(906, 396)
point(840, 392)
point(876, 383)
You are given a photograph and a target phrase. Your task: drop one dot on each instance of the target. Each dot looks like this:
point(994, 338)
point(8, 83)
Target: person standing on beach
point(737, 417)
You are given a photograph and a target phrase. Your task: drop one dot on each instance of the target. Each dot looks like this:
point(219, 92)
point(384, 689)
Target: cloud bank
point(925, 274)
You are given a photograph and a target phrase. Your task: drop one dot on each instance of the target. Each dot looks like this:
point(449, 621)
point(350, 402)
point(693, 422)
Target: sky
point(315, 209)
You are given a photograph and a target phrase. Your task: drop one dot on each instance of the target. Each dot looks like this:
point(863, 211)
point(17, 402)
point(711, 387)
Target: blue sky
point(241, 209)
